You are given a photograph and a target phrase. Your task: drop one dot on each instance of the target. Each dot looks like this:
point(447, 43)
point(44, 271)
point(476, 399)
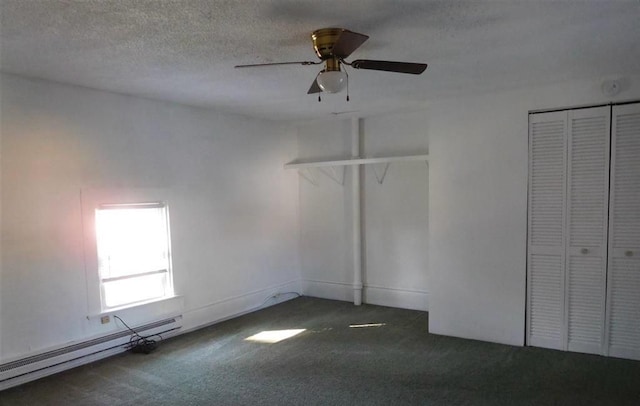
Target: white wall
point(234, 209)
point(325, 212)
point(395, 218)
point(478, 206)
point(394, 213)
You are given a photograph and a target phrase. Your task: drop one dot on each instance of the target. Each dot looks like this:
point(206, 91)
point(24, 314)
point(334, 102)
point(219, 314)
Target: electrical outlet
point(105, 319)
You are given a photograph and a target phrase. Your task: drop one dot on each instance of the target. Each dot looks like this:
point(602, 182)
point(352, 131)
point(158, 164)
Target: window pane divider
point(120, 278)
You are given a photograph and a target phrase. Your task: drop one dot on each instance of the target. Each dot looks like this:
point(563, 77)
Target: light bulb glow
point(332, 81)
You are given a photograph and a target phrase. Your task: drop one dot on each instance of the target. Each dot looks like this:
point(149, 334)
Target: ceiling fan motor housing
point(323, 41)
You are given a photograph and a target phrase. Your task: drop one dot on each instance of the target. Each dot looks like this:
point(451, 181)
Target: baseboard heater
point(47, 363)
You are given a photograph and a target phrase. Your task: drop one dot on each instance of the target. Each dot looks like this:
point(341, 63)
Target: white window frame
point(167, 282)
point(90, 200)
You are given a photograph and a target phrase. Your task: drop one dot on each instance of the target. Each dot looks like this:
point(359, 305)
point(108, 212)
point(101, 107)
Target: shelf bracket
point(380, 170)
point(309, 174)
point(336, 173)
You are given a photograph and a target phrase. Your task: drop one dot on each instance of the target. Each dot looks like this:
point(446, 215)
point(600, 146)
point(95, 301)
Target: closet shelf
point(355, 161)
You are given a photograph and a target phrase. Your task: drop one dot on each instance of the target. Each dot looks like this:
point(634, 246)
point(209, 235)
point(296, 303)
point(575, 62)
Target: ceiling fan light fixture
point(332, 81)
point(332, 46)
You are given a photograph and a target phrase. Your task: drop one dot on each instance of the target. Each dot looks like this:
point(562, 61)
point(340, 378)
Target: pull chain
point(345, 72)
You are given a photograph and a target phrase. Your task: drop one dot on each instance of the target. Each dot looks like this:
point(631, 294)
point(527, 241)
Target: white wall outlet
point(105, 319)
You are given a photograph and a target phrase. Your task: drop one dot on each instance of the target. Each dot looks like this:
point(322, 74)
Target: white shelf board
point(355, 161)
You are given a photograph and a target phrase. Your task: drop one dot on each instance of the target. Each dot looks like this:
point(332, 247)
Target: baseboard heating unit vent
point(47, 363)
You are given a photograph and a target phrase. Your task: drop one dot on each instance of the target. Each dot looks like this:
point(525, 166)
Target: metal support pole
point(356, 224)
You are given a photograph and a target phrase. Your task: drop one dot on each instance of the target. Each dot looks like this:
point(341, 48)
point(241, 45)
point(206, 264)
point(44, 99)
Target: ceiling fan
point(332, 46)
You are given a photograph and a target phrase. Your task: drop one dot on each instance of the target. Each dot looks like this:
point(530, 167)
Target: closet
point(583, 259)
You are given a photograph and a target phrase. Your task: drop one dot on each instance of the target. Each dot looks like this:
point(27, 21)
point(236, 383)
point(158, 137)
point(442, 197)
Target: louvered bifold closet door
point(587, 212)
point(545, 262)
point(623, 296)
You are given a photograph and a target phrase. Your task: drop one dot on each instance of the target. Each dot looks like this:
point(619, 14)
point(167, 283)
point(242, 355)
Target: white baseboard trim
point(395, 297)
point(328, 290)
point(235, 306)
point(372, 294)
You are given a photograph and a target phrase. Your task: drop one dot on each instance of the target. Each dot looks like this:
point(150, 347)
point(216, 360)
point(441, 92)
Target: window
point(134, 261)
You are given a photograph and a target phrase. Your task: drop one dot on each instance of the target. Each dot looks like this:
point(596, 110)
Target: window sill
point(151, 302)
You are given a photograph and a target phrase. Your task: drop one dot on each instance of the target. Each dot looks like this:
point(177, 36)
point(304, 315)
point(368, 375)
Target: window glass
point(133, 253)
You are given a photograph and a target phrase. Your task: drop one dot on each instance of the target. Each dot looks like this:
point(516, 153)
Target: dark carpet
point(395, 361)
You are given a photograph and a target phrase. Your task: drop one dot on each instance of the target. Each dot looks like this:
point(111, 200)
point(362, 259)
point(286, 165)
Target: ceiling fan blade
point(347, 42)
point(390, 66)
point(314, 87)
point(257, 65)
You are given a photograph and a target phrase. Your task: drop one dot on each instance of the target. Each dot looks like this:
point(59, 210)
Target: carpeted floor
point(331, 363)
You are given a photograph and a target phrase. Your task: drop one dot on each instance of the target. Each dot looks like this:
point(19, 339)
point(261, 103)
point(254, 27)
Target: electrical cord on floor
point(138, 343)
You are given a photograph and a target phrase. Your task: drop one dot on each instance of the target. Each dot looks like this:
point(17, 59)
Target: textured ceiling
point(185, 50)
